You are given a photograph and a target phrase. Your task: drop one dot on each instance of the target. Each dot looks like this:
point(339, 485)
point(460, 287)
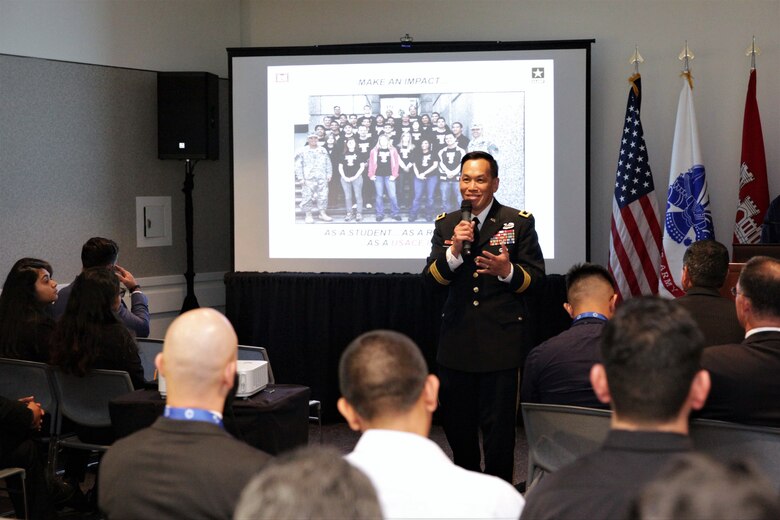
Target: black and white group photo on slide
point(396, 158)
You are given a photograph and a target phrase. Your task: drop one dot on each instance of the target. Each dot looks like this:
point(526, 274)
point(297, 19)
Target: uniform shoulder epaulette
point(441, 216)
point(524, 214)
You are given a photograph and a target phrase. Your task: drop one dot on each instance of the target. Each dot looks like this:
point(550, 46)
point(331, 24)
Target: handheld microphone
point(465, 214)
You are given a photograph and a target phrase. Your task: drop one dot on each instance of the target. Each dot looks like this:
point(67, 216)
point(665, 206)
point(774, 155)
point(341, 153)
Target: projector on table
point(252, 377)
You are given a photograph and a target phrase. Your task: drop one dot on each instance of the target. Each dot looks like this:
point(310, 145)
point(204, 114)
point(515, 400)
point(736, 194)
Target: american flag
point(635, 241)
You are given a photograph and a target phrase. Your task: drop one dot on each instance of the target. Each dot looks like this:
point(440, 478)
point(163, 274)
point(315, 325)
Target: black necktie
point(475, 220)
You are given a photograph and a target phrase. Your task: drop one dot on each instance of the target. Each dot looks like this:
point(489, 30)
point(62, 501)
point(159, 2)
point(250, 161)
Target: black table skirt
point(274, 420)
point(306, 320)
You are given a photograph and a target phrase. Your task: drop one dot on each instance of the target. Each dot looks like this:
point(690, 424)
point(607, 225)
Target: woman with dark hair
point(89, 335)
point(26, 324)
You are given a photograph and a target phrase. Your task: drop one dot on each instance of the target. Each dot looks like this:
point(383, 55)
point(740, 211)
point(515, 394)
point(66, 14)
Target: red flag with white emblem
point(753, 190)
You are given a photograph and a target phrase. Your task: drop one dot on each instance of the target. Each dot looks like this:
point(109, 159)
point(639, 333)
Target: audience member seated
point(697, 486)
point(388, 395)
point(705, 266)
point(89, 335)
point(745, 382)
point(18, 420)
point(185, 465)
point(313, 482)
point(25, 311)
point(650, 375)
point(103, 252)
point(558, 370)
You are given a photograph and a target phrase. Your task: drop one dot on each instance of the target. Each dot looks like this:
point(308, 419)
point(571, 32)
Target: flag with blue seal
point(688, 217)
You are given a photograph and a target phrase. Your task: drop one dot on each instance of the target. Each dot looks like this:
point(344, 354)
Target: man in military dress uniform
point(314, 168)
point(484, 335)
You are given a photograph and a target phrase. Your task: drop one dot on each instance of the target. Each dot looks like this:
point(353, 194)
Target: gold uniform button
point(476, 303)
point(476, 274)
point(476, 289)
point(519, 318)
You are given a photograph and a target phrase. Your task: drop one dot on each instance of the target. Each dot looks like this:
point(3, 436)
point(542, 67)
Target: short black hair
point(473, 156)
point(99, 252)
point(707, 262)
point(382, 372)
point(760, 282)
point(651, 350)
point(579, 272)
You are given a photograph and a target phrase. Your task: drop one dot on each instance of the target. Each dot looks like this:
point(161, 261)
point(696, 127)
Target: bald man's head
point(199, 357)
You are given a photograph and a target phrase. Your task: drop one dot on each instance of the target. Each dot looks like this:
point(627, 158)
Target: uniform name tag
point(503, 237)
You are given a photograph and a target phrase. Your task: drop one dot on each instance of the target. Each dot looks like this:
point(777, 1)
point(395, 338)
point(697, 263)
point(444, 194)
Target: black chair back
point(19, 378)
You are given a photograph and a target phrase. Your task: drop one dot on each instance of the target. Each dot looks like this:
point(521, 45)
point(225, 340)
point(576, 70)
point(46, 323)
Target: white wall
point(718, 32)
point(160, 35)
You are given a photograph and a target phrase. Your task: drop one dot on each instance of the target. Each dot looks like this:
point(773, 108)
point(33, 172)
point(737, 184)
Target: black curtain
point(306, 320)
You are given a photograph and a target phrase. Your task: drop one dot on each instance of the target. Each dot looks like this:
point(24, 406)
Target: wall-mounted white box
point(153, 221)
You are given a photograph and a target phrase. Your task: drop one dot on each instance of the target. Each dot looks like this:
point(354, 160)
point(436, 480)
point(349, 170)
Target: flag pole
point(686, 56)
point(635, 230)
point(636, 59)
point(753, 51)
point(753, 198)
point(688, 216)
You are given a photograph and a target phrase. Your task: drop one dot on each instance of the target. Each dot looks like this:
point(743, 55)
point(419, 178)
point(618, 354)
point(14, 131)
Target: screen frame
point(411, 47)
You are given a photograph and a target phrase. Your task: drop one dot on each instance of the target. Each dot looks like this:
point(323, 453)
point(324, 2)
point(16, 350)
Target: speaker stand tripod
point(190, 300)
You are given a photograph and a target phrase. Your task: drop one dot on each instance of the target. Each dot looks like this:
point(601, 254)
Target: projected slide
point(363, 156)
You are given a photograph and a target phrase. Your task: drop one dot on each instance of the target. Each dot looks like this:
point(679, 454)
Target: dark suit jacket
point(715, 315)
point(602, 484)
point(483, 325)
point(176, 469)
point(558, 370)
point(745, 380)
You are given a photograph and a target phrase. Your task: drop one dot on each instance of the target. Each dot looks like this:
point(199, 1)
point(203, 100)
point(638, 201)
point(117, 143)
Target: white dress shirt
point(414, 478)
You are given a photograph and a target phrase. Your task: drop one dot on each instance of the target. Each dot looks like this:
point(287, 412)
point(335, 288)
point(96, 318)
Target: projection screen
point(527, 103)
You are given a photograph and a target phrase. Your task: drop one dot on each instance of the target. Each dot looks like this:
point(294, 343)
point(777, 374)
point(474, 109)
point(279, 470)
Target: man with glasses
point(745, 385)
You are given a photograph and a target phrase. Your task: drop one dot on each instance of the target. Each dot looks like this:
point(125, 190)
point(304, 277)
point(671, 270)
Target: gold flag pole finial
point(636, 59)
point(753, 51)
point(686, 56)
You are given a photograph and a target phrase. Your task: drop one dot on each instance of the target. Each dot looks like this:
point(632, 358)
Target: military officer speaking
point(484, 336)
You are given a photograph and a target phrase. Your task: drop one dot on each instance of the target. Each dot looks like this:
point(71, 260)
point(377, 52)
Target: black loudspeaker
point(187, 115)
